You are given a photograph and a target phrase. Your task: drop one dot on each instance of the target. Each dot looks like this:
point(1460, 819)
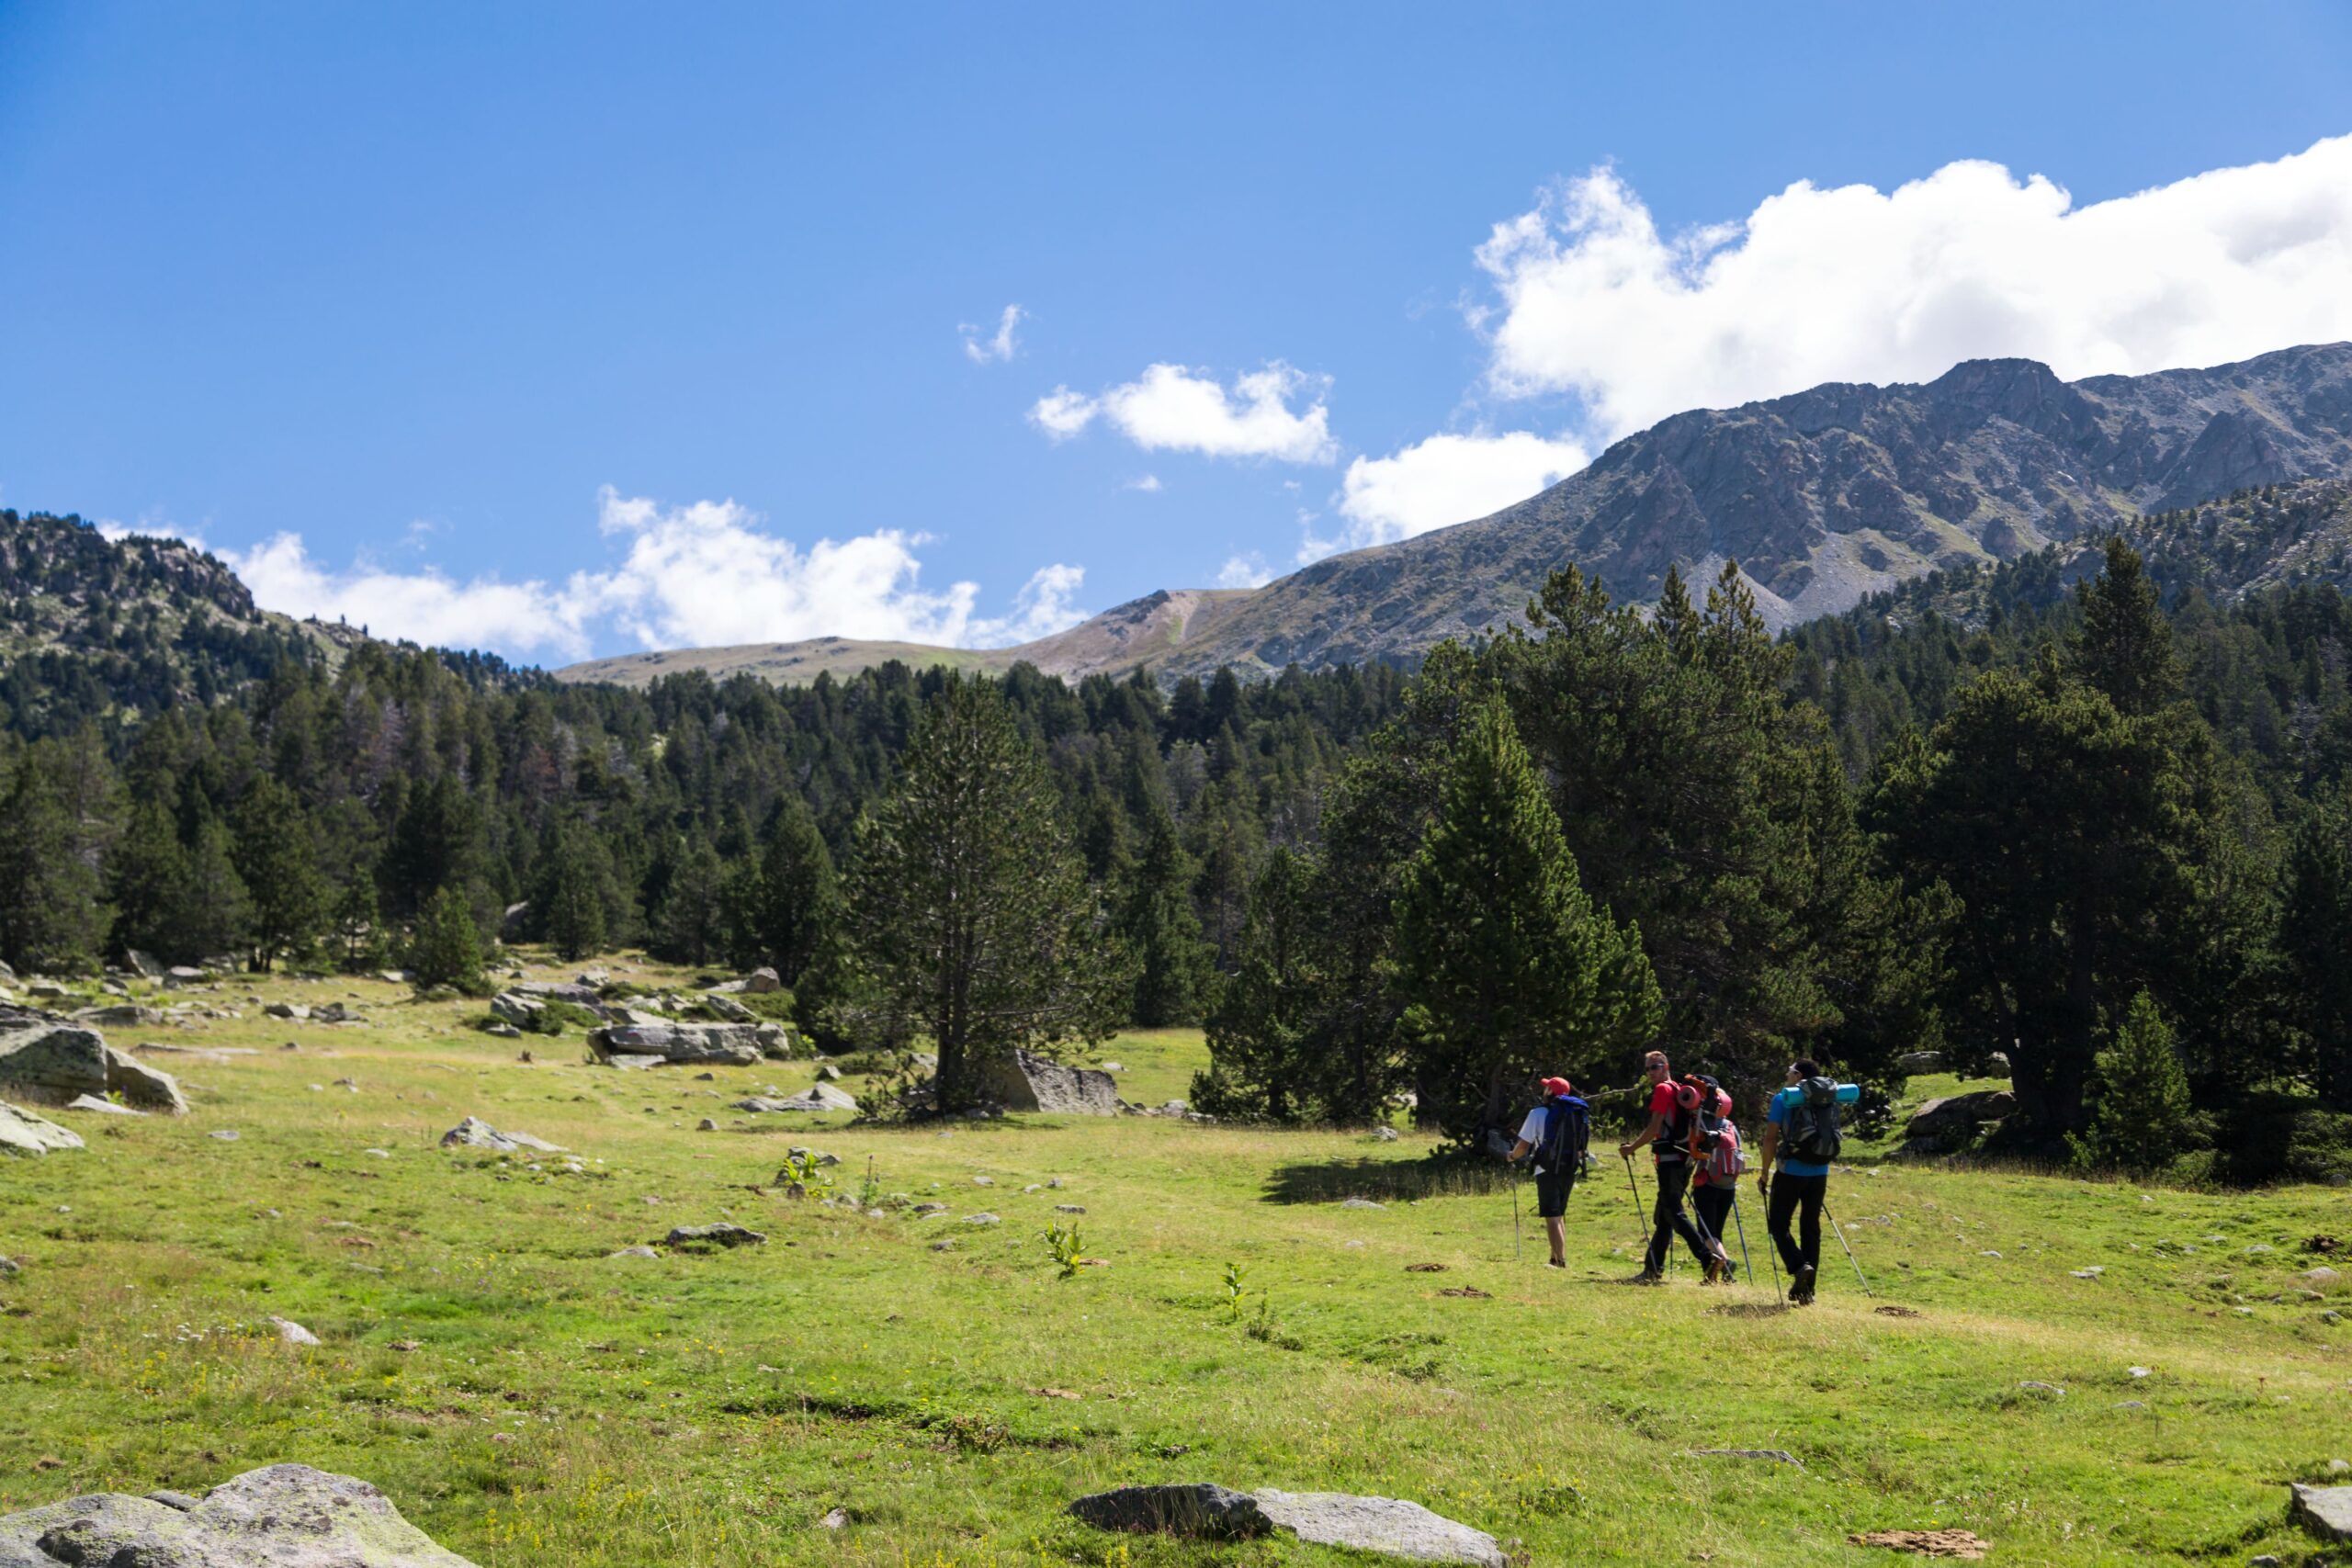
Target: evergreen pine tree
point(2137, 1102)
point(1507, 968)
point(575, 892)
point(1261, 1032)
point(800, 897)
point(2124, 647)
point(972, 912)
point(1163, 934)
point(2315, 941)
point(276, 856)
point(691, 928)
point(52, 917)
point(357, 926)
point(445, 949)
point(145, 877)
point(214, 916)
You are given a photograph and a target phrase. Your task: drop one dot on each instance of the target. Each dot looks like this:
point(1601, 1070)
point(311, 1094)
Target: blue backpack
point(1568, 1129)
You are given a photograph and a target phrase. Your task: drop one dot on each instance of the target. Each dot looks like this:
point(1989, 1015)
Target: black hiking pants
point(1802, 1197)
point(1714, 1204)
point(1673, 1181)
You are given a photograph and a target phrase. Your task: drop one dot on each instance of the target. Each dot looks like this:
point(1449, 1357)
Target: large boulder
point(817, 1097)
point(761, 981)
point(1026, 1082)
point(2325, 1511)
point(55, 1064)
point(521, 1011)
point(473, 1132)
point(143, 965)
point(731, 1045)
point(570, 992)
point(288, 1516)
point(22, 1133)
point(1387, 1526)
point(1919, 1062)
point(1955, 1117)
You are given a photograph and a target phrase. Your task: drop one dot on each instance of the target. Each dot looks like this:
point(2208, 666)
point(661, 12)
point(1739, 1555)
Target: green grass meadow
point(526, 1398)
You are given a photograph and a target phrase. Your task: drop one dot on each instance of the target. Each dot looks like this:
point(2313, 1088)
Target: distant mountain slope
point(1822, 497)
point(93, 628)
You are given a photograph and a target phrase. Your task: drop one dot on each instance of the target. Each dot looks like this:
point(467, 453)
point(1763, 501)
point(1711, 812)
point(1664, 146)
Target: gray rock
point(818, 1097)
point(1360, 1203)
point(1958, 1115)
point(124, 1017)
point(734, 1044)
point(1204, 1511)
point(170, 1499)
point(1070, 1208)
point(143, 965)
point(51, 1064)
point(728, 1007)
point(226, 1134)
point(1384, 1135)
point(828, 1073)
point(1920, 1062)
point(982, 1219)
point(1028, 1082)
point(761, 981)
point(288, 1516)
point(473, 1132)
point(1385, 1525)
point(9, 1266)
point(634, 1252)
point(294, 1010)
point(720, 1234)
point(705, 1125)
point(22, 1133)
point(2325, 1511)
point(520, 1012)
point(557, 990)
point(105, 1106)
point(293, 1333)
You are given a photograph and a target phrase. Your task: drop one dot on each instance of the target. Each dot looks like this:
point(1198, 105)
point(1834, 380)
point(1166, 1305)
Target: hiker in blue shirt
point(1800, 1130)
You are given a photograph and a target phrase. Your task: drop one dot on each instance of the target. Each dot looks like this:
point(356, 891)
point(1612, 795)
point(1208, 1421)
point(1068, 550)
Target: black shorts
point(1552, 1193)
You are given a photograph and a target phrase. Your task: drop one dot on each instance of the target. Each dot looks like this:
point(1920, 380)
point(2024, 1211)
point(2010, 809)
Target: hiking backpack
point(1811, 1127)
point(1567, 1128)
point(1727, 1162)
point(1697, 1124)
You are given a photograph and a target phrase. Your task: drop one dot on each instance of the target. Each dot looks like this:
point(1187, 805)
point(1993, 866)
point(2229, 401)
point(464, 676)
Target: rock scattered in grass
point(634, 1252)
point(2325, 1511)
point(2048, 1388)
point(720, 1234)
point(2093, 1273)
point(982, 1219)
point(1360, 1203)
point(293, 1333)
point(226, 1134)
point(834, 1518)
point(288, 1516)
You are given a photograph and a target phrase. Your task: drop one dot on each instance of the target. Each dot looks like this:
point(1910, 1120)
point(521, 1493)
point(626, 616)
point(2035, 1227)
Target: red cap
point(1555, 1087)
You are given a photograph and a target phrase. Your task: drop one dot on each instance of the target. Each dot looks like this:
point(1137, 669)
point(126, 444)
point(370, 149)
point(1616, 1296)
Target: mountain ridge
point(1824, 496)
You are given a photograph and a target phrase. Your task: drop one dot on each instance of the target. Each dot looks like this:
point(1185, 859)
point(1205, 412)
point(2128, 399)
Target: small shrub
point(1064, 1245)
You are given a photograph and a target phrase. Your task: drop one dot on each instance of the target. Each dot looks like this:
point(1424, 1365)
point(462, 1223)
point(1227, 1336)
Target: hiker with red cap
point(1555, 1133)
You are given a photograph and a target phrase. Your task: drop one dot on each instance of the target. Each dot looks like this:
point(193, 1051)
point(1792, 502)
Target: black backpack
point(1568, 1129)
point(1811, 1127)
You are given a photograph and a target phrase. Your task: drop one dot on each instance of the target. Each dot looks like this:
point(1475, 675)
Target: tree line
point(2052, 832)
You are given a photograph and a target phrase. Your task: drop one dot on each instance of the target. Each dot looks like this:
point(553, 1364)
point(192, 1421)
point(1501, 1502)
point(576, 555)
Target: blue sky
point(574, 329)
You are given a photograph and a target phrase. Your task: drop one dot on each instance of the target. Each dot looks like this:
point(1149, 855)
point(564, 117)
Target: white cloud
point(1002, 346)
point(1062, 413)
point(1450, 479)
point(1149, 484)
point(1247, 571)
point(702, 575)
point(1856, 284)
point(1170, 408)
point(422, 607)
point(1043, 607)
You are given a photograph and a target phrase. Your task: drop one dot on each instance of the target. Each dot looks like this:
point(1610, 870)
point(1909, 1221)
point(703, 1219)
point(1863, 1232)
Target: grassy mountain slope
point(1822, 497)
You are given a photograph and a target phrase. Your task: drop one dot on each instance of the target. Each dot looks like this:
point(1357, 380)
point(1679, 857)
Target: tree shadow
point(1389, 1181)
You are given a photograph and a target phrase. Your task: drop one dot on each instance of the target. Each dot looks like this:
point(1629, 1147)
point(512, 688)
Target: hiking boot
point(1647, 1277)
point(1714, 1272)
point(1556, 1263)
point(1729, 1274)
point(1801, 1288)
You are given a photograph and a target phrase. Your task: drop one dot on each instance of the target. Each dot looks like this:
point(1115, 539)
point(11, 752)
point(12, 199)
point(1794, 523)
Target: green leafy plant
point(1234, 1290)
point(1066, 1248)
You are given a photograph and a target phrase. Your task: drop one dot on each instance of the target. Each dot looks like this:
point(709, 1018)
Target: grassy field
point(528, 1398)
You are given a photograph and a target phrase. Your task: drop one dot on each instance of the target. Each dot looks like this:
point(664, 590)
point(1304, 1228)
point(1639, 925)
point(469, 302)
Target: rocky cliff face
point(1826, 496)
point(1822, 497)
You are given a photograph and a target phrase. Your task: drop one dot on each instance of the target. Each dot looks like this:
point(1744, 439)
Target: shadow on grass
point(1389, 1180)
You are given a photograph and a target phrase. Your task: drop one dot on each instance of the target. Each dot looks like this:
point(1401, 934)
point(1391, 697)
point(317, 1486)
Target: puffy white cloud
point(1450, 479)
point(1856, 284)
point(702, 575)
point(422, 607)
point(1062, 413)
point(1000, 346)
point(1149, 484)
point(1247, 571)
point(1046, 604)
point(1170, 408)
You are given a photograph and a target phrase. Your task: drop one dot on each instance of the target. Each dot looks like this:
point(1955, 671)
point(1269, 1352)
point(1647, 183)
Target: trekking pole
point(1514, 1214)
point(1633, 1190)
point(1848, 1247)
point(1743, 1249)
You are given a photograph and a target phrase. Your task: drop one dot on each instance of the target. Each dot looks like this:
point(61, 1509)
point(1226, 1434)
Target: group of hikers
point(1699, 1155)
